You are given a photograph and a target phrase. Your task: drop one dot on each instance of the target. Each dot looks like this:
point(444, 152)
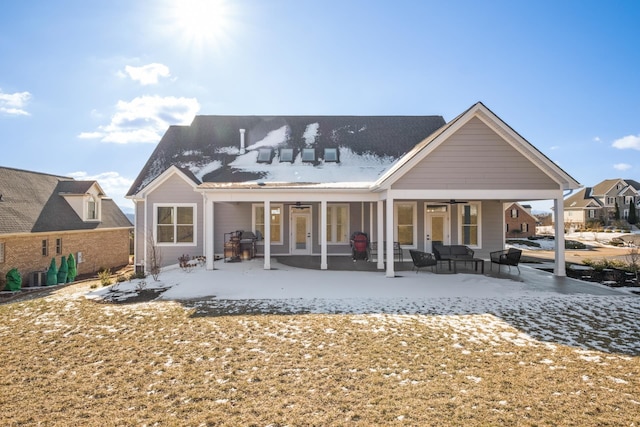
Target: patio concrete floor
point(531, 274)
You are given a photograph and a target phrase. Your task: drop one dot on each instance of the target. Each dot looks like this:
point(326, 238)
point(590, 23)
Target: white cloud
point(622, 166)
point(597, 139)
point(114, 185)
point(147, 74)
point(555, 147)
point(144, 119)
point(13, 104)
point(629, 141)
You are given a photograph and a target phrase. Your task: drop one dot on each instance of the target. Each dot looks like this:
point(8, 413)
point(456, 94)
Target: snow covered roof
point(210, 149)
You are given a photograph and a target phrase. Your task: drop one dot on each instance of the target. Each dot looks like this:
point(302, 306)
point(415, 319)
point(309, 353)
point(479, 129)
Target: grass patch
point(76, 362)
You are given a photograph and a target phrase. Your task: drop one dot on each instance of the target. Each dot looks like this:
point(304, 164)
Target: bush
point(105, 277)
point(572, 244)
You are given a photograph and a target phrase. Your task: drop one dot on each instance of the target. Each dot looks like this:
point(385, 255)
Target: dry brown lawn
point(70, 361)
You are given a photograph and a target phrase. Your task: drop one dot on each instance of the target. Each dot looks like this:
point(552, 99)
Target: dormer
point(85, 198)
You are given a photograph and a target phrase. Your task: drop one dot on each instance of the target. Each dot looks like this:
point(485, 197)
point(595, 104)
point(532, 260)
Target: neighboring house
point(598, 204)
point(519, 222)
point(306, 184)
point(46, 216)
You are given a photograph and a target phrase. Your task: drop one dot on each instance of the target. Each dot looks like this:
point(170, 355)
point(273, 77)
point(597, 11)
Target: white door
point(436, 228)
point(300, 230)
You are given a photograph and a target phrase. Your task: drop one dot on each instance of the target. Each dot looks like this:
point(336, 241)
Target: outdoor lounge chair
point(422, 259)
point(506, 257)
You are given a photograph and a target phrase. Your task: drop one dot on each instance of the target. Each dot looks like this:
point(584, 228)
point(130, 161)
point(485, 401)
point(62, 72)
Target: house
point(306, 184)
point(519, 222)
point(597, 205)
point(45, 216)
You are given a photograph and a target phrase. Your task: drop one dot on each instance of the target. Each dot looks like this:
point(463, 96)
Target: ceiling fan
point(455, 202)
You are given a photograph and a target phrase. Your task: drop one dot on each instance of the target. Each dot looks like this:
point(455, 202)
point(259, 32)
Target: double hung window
point(175, 224)
point(275, 218)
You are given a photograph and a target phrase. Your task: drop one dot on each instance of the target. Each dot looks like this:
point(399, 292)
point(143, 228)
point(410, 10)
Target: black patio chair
point(422, 259)
point(506, 257)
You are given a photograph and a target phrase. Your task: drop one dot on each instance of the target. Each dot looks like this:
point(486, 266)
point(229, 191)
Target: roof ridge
point(36, 172)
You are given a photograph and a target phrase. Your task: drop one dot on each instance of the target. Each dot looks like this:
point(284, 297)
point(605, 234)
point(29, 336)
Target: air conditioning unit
point(38, 278)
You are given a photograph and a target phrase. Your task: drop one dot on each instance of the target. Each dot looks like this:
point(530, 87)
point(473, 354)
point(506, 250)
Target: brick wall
point(108, 248)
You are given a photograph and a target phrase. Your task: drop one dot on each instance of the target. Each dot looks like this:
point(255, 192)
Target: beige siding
point(475, 158)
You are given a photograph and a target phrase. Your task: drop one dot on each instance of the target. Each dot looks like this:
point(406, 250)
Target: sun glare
point(201, 24)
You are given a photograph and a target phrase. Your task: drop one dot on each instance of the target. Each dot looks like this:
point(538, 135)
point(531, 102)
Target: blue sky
point(87, 88)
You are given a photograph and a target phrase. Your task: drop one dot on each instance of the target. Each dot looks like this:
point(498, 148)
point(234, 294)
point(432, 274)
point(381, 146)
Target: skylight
point(330, 154)
point(264, 155)
point(308, 155)
point(286, 155)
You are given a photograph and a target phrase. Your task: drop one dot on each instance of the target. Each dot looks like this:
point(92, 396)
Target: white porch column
point(380, 233)
point(389, 240)
point(558, 209)
point(323, 235)
point(267, 235)
point(209, 237)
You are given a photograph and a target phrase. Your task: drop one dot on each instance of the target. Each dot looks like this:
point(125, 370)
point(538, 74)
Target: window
point(628, 200)
point(514, 213)
point(1, 252)
point(524, 227)
point(45, 248)
point(331, 155)
point(58, 246)
point(591, 213)
point(175, 224)
point(264, 155)
point(470, 224)
point(286, 155)
point(276, 222)
point(405, 218)
point(308, 154)
point(92, 210)
point(611, 201)
point(338, 223)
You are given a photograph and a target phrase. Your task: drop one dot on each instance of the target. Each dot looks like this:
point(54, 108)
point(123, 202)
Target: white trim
point(193, 206)
point(331, 239)
point(461, 224)
point(447, 223)
point(414, 205)
point(308, 214)
point(424, 148)
point(280, 241)
point(159, 180)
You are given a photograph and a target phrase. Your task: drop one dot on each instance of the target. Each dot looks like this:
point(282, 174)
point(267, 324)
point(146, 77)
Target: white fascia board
point(526, 148)
point(262, 195)
point(506, 195)
point(172, 170)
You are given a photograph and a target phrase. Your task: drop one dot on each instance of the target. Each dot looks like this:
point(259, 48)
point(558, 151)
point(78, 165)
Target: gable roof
point(433, 141)
point(210, 148)
point(582, 199)
point(604, 187)
point(34, 202)
point(522, 209)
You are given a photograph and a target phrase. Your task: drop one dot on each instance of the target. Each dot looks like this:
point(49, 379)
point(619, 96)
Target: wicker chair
point(506, 257)
point(422, 259)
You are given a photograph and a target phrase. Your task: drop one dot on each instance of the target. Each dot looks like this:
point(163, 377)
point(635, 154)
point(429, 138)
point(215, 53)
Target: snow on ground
point(591, 322)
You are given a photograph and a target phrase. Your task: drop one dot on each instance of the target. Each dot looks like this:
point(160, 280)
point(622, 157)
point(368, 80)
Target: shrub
point(572, 244)
point(105, 277)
